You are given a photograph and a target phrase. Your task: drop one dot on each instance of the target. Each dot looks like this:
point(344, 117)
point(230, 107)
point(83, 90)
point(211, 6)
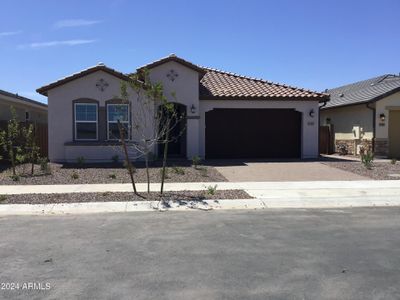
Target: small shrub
point(196, 160)
point(115, 159)
point(74, 175)
point(3, 198)
point(80, 160)
point(178, 170)
point(393, 161)
point(15, 177)
point(211, 190)
point(112, 176)
point(44, 165)
point(367, 158)
point(203, 171)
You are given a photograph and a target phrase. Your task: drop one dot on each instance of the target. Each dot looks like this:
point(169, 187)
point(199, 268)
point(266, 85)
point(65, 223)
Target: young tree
point(31, 148)
point(154, 119)
point(9, 139)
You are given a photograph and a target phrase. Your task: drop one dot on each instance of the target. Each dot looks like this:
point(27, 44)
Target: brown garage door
point(253, 133)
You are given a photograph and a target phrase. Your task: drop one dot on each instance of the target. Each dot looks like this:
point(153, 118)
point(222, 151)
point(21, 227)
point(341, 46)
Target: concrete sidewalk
point(266, 188)
point(319, 194)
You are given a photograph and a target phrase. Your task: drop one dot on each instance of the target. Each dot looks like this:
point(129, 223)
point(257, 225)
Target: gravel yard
point(114, 197)
point(109, 173)
point(379, 171)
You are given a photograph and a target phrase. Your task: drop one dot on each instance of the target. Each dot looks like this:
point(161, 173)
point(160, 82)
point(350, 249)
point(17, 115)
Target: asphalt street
point(270, 254)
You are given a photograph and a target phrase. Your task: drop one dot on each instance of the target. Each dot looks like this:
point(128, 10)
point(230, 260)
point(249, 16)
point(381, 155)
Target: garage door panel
point(253, 133)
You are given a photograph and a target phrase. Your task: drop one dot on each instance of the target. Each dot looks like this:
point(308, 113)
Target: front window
point(86, 121)
point(115, 113)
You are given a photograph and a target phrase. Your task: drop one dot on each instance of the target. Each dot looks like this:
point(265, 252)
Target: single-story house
point(26, 109)
point(366, 114)
point(227, 115)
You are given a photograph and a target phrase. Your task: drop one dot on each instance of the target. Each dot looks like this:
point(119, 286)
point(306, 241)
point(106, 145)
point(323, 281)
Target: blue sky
point(314, 44)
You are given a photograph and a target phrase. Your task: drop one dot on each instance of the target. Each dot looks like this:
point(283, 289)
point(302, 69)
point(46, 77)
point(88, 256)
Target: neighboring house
point(26, 109)
point(227, 115)
point(366, 113)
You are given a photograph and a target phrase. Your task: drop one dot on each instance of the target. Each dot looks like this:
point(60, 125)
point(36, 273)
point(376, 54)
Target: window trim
point(115, 122)
point(97, 121)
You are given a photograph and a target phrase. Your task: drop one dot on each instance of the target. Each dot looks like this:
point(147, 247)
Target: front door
point(394, 134)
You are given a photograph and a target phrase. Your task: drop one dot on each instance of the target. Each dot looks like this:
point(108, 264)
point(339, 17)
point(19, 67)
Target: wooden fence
point(326, 139)
point(41, 134)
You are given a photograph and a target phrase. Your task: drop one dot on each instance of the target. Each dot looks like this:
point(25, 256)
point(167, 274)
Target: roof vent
point(341, 95)
point(172, 55)
point(100, 64)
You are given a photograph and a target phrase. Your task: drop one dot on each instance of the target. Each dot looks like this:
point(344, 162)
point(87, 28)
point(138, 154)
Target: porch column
point(192, 136)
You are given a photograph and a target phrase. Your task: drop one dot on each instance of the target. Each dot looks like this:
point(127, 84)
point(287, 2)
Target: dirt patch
point(108, 173)
point(379, 171)
point(117, 197)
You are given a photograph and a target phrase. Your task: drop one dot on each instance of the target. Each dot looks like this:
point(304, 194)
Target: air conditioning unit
point(356, 132)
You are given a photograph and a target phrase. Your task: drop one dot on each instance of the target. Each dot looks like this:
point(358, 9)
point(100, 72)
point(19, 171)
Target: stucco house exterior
point(25, 108)
point(366, 114)
point(227, 115)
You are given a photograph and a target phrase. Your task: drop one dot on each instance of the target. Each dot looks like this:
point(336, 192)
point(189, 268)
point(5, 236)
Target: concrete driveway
point(282, 171)
point(294, 254)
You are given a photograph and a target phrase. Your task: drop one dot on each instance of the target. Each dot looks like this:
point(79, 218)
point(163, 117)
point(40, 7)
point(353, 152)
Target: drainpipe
point(319, 123)
point(373, 125)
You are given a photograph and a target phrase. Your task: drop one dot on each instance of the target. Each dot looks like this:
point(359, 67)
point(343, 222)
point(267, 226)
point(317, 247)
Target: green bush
point(15, 177)
point(74, 175)
point(112, 176)
point(196, 160)
point(44, 165)
point(178, 170)
point(211, 190)
point(115, 158)
point(80, 160)
point(367, 159)
point(3, 198)
point(393, 161)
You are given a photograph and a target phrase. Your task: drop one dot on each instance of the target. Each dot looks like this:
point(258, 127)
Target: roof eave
point(44, 89)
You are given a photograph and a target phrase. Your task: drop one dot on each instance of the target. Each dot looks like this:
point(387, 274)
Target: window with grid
point(86, 122)
point(115, 113)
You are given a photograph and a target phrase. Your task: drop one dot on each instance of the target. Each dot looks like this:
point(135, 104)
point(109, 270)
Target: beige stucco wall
point(38, 115)
point(384, 105)
point(186, 89)
point(345, 118)
point(309, 138)
point(60, 108)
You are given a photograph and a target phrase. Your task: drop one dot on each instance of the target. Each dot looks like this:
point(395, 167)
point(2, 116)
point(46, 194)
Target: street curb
point(205, 205)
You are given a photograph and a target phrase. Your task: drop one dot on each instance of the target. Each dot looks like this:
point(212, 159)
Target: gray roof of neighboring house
point(24, 99)
point(365, 91)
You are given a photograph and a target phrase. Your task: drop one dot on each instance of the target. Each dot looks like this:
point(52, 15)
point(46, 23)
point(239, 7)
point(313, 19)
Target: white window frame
point(97, 121)
point(115, 122)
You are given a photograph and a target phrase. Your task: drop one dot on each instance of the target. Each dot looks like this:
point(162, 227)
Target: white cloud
point(10, 33)
point(75, 23)
point(56, 43)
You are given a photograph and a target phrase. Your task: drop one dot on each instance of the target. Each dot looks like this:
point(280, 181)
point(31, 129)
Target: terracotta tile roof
point(214, 84)
point(217, 84)
point(99, 67)
point(173, 57)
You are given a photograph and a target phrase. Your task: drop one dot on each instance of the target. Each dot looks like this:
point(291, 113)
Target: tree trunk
point(12, 158)
point(164, 164)
point(128, 162)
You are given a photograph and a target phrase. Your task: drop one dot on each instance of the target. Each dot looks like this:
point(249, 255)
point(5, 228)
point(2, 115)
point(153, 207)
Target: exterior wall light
point(382, 117)
point(312, 113)
point(193, 109)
